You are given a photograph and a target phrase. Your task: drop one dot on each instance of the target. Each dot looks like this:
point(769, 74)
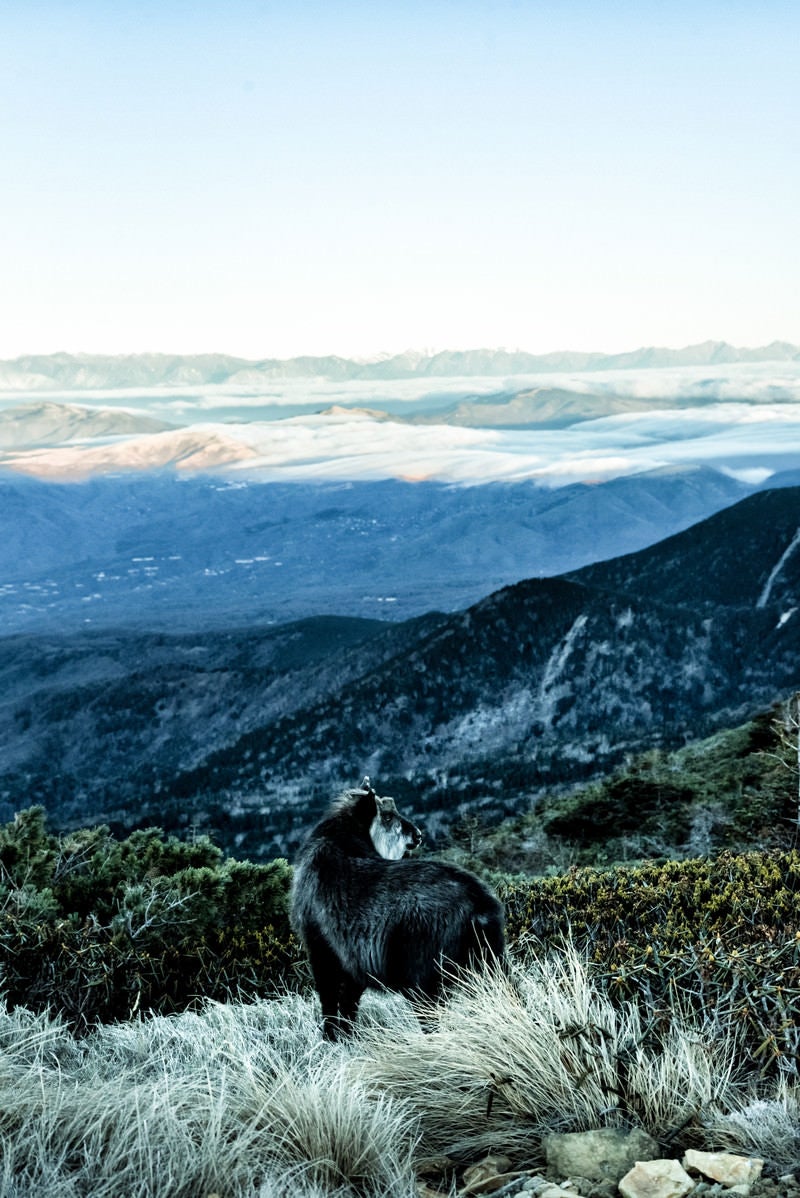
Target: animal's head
point(390, 832)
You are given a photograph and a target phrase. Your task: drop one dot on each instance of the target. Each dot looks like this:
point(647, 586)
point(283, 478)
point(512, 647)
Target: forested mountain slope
point(539, 684)
point(745, 556)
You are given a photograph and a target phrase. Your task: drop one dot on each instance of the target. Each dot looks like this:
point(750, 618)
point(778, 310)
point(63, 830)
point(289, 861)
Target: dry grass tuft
point(240, 1100)
point(765, 1127)
point(218, 1102)
point(541, 1048)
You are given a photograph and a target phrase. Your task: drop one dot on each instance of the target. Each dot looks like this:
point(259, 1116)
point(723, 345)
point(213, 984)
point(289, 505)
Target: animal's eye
point(387, 821)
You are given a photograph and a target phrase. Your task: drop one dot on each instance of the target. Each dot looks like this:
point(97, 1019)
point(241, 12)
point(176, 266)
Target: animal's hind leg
point(425, 1009)
point(338, 992)
point(485, 941)
point(426, 998)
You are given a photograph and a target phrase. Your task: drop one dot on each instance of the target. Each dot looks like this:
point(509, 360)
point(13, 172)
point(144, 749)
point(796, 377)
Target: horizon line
point(422, 353)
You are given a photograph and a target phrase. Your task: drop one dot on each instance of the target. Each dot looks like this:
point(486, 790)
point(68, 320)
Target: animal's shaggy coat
point(368, 918)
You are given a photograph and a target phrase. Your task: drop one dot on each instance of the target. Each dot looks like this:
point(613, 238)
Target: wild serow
point(368, 916)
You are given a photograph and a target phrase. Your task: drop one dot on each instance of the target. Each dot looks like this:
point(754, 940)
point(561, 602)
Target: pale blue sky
point(270, 179)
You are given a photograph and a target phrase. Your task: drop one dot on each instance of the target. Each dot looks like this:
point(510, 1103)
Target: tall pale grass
point(537, 1048)
point(231, 1101)
point(240, 1100)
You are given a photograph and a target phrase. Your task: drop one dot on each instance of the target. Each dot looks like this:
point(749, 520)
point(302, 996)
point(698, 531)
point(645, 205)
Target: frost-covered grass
point(542, 1048)
point(247, 1099)
point(231, 1101)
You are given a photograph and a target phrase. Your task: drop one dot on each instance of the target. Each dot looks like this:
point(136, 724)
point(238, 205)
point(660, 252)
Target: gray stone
point(605, 1154)
point(602, 1189)
point(607, 1188)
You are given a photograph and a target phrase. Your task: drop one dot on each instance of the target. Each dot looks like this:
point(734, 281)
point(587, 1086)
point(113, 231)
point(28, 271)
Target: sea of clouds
point(750, 442)
point(742, 419)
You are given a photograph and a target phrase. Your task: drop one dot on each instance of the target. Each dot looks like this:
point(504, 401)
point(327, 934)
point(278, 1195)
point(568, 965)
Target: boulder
point(605, 1154)
point(656, 1179)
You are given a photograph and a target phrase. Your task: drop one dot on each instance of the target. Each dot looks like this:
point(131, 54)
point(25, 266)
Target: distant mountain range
point(541, 683)
point(86, 372)
point(540, 407)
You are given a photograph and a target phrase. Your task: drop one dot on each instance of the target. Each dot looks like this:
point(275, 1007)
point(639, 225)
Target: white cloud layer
point(740, 440)
point(757, 382)
point(748, 437)
point(726, 436)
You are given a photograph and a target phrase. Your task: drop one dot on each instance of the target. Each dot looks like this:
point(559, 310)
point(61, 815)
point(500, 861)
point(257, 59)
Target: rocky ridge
point(545, 682)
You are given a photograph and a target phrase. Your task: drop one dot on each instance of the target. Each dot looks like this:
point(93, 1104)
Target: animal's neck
point(350, 837)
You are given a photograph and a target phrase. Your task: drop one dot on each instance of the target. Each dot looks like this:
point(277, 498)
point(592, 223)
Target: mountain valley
point(248, 733)
point(164, 553)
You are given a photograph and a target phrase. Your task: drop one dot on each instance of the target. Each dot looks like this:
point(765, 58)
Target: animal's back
point(396, 921)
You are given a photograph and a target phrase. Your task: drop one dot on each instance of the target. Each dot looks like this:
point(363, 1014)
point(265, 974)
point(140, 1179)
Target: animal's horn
point(364, 789)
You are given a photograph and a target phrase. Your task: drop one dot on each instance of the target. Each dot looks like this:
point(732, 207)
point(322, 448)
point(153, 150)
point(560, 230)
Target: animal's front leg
point(338, 993)
point(339, 1007)
point(348, 999)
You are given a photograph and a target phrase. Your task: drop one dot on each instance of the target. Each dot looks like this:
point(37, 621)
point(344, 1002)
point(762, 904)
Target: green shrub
point(622, 804)
point(721, 937)
point(736, 790)
point(98, 928)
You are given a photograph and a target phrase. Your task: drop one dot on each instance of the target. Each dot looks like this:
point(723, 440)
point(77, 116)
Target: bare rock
point(656, 1179)
point(724, 1167)
point(573, 1187)
point(434, 1166)
point(490, 1174)
point(605, 1154)
point(538, 1185)
point(607, 1188)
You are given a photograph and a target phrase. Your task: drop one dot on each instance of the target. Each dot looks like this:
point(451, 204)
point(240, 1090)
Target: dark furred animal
point(370, 918)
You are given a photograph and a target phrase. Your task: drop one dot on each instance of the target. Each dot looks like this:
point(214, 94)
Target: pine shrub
point(99, 929)
point(720, 937)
